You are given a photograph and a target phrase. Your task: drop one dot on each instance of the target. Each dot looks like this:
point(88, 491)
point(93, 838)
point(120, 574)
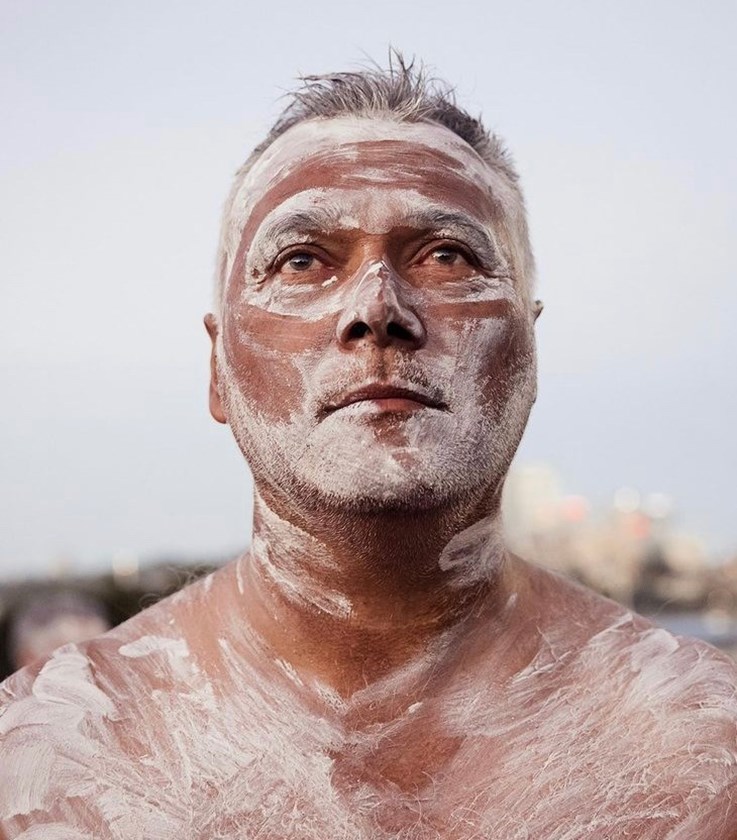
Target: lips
point(387, 397)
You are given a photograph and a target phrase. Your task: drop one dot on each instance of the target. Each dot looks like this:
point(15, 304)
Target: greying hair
point(405, 92)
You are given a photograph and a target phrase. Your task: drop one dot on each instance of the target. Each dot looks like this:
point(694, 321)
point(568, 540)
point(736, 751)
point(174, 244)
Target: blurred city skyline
point(122, 125)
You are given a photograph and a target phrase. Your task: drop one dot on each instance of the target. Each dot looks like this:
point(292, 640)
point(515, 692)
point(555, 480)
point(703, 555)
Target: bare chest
point(563, 751)
point(265, 768)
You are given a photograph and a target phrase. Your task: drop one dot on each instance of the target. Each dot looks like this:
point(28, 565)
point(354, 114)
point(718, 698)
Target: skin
point(377, 666)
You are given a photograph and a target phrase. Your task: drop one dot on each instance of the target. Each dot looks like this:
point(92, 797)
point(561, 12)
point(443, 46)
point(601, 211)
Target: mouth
point(381, 398)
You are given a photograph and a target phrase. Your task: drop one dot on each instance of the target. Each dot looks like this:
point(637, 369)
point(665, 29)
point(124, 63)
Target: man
point(377, 665)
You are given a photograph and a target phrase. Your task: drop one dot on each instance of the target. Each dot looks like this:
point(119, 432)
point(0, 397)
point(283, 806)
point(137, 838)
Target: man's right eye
point(301, 266)
point(300, 262)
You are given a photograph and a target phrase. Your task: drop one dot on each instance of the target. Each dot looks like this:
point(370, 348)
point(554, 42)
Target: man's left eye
point(447, 256)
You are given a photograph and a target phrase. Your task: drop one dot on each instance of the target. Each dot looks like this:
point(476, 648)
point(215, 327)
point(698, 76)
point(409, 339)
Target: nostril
point(358, 330)
point(396, 330)
point(353, 329)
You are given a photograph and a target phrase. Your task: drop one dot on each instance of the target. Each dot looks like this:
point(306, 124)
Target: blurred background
point(122, 126)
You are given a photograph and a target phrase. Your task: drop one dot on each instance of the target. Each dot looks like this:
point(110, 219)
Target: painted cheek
point(264, 367)
point(510, 362)
point(467, 311)
point(271, 321)
point(484, 328)
point(482, 296)
point(494, 350)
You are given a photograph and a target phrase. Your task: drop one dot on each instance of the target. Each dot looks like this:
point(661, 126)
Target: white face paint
point(360, 201)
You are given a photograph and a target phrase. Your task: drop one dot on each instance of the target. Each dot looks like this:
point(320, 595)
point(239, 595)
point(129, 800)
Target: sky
point(123, 124)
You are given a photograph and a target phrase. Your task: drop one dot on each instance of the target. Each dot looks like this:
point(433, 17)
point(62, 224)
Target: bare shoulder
point(65, 723)
point(646, 713)
point(156, 628)
point(645, 666)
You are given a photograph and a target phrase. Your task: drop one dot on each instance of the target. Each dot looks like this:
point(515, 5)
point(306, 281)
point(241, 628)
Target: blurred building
point(631, 551)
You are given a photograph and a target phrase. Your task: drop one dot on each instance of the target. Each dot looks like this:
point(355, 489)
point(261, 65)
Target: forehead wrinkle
point(348, 136)
point(345, 208)
point(280, 225)
point(277, 165)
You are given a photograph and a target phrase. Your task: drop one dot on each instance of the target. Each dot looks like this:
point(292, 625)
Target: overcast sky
point(122, 125)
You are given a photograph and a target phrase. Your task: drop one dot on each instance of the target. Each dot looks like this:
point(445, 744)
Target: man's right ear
point(216, 404)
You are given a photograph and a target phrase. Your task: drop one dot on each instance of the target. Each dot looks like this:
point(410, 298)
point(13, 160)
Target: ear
point(216, 404)
point(537, 308)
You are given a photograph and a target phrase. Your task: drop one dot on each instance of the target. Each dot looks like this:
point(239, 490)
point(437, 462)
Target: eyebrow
point(458, 225)
point(291, 227)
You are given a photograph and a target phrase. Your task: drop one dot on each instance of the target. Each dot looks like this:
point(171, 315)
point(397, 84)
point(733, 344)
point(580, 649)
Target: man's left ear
point(216, 404)
point(537, 308)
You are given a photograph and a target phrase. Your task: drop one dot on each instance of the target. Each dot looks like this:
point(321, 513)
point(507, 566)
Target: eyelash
point(449, 245)
point(282, 259)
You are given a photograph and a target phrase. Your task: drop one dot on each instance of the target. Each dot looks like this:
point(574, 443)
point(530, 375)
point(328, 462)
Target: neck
point(353, 599)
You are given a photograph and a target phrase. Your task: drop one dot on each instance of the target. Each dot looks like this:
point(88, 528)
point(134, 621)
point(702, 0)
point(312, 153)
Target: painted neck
point(351, 601)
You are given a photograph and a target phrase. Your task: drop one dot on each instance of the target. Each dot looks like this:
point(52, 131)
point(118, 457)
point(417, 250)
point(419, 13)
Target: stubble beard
point(339, 466)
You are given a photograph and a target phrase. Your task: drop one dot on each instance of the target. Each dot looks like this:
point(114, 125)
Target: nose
point(378, 312)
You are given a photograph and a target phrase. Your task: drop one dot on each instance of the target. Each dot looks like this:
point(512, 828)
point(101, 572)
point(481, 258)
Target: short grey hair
point(406, 92)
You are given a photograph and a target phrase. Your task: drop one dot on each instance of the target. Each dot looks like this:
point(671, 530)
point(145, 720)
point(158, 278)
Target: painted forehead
point(344, 136)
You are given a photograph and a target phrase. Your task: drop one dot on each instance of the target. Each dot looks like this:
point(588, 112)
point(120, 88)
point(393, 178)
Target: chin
point(376, 478)
point(419, 463)
point(353, 493)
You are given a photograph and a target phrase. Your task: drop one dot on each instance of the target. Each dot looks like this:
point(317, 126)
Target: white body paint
point(139, 738)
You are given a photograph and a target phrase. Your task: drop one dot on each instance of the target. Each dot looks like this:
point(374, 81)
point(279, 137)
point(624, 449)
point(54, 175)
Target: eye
point(302, 264)
point(447, 256)
point(301, 261)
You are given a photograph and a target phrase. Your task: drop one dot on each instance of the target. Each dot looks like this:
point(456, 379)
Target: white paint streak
point(239, 576)
point(53, 831)
point(474, 554)
point(147, 645)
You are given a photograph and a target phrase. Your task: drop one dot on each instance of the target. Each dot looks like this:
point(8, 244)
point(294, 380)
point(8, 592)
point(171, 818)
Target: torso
point(612, 729)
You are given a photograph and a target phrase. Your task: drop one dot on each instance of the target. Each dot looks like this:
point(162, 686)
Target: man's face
point(375, 350)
